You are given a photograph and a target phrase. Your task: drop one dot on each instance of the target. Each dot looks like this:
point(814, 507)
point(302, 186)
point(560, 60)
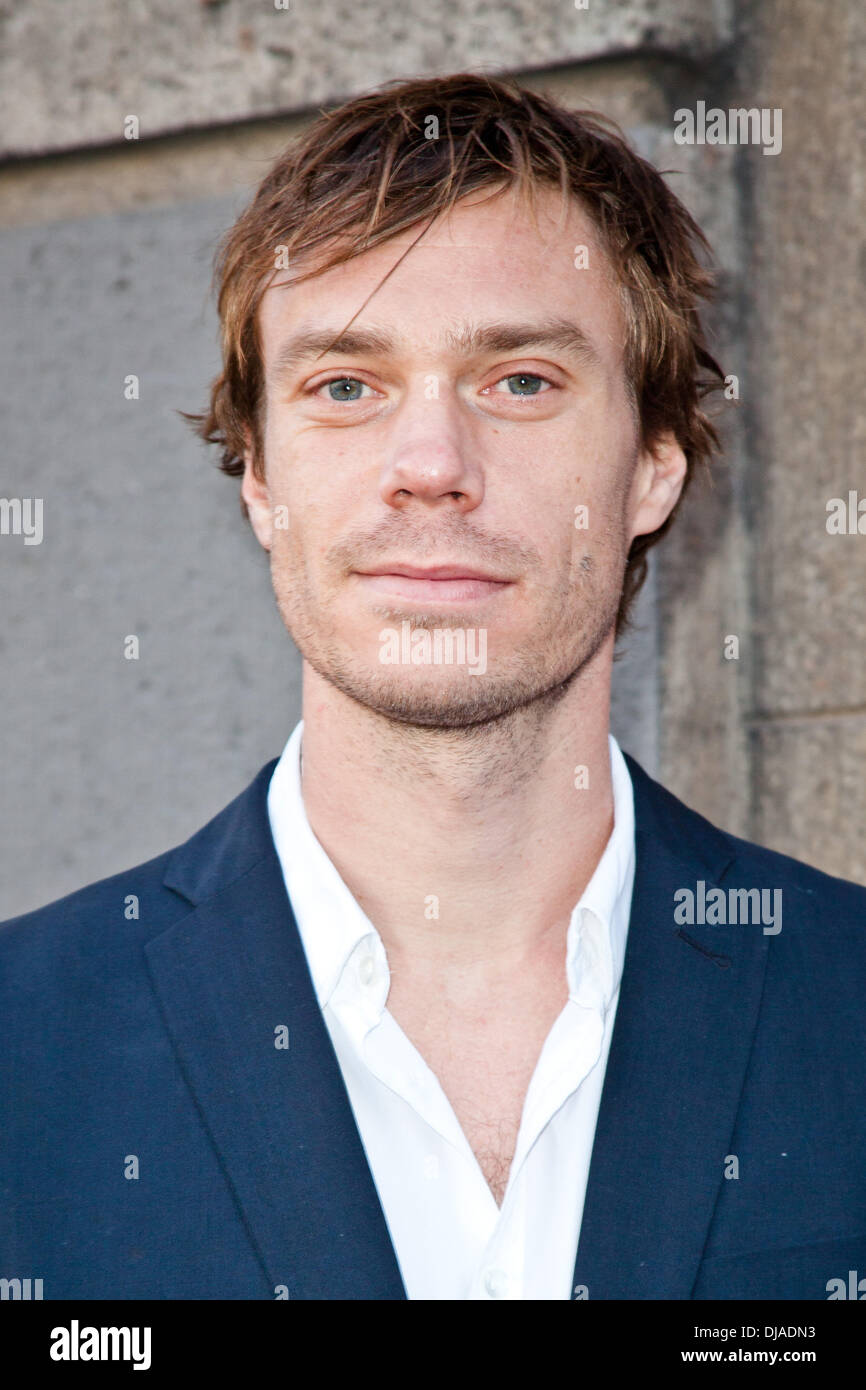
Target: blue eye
point(348, 388)
point(521, 384)
point(529, 385)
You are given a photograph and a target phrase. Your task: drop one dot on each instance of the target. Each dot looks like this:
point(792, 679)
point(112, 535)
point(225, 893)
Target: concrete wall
point(105, 248)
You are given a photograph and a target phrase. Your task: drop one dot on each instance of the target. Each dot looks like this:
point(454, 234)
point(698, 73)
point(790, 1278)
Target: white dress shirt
point(451, 1239)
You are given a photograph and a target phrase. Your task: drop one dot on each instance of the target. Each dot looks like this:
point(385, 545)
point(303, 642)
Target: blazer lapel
point(229, 975)
point(688, 1007)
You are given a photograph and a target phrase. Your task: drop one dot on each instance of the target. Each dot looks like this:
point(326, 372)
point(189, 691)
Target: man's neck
point(467, 849)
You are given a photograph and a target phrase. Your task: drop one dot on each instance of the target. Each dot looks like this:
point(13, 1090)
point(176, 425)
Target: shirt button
point(367, 970)
point(496, 1283)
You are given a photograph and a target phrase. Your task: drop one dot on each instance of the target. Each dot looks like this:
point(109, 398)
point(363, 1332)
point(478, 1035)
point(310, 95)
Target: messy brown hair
point(366, 171)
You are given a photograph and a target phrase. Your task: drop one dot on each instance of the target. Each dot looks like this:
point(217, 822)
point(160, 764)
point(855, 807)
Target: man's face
point(475, 422)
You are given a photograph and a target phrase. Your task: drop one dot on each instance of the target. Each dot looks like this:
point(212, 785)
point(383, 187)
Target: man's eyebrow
point(472, 340)
point(512, 337)
point(314, 342)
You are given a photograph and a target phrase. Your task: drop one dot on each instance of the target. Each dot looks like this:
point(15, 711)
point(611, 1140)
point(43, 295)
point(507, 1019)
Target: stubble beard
point(536, 677)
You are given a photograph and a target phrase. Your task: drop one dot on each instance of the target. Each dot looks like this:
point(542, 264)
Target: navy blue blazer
point(730, 1152)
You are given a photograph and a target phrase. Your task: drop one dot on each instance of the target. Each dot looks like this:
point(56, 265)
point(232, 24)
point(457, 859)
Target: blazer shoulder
point(88, 922)
point(834, 898)
point(690, 835)
point(149, 897)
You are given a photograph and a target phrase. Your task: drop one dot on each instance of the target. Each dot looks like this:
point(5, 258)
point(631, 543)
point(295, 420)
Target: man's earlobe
point(659, 480)
point(257, 499)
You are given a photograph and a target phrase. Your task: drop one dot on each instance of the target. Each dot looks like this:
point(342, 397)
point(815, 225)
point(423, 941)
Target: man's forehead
point(503, 219)
point(551, 287)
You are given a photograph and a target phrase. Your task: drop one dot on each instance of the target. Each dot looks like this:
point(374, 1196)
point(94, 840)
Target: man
point(454, 1001)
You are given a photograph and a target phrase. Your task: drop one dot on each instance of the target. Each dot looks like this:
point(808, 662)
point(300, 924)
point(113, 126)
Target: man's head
point(460, 328)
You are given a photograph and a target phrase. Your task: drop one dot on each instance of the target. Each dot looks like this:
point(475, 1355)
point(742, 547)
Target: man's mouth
point(446, 583)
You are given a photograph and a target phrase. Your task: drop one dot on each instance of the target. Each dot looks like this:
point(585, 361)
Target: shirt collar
point(332, 924)
point(330, 920)
point(597, 932)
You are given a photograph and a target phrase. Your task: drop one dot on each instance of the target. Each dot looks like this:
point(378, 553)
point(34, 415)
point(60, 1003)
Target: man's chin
point(430, 705)
point(451, 700)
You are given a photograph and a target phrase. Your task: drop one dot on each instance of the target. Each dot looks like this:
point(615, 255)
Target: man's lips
point(433, 583)
point(435, 572)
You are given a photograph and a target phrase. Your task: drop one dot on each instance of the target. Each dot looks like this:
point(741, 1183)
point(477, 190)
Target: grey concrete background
point(105, 249)
point(71, 73)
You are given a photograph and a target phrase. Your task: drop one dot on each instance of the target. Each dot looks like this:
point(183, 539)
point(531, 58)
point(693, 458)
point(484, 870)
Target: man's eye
point(342, 388)
point(523, 384)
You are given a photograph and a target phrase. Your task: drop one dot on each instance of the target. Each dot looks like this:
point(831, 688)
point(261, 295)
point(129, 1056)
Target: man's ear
point(658, 481)
point(257, 497)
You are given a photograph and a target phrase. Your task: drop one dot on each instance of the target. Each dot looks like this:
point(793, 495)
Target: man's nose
point(430, 456)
